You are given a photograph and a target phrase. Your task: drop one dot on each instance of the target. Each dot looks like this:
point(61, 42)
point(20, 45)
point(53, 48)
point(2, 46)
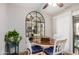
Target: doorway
point(76, 34)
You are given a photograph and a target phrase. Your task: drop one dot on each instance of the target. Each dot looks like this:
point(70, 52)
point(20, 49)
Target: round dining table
point(44, 44)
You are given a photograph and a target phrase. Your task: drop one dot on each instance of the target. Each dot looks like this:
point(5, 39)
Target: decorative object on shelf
point(12, 39)
point(34, 24)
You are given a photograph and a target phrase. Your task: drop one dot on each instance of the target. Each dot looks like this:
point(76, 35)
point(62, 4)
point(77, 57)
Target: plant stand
point(12, 49)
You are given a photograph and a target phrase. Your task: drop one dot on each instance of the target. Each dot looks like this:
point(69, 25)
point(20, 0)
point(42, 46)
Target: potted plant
point(12, 37)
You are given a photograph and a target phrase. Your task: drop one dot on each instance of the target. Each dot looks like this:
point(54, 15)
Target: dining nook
point(39, 29)
point(39, 42)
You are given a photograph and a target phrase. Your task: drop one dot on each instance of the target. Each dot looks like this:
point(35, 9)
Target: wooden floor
point(66, 53)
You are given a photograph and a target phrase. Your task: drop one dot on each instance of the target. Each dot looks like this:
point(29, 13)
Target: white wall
point(48, 26)
point(53, 26)
point(63, 27)
point(3, 25)
point(16, 20)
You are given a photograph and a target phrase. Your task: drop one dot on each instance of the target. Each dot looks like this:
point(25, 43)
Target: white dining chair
point(34, 49)
point(57, 49)
point(59, 46)
point(28, 46)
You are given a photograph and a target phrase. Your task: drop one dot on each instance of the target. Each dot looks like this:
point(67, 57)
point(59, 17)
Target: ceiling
point(49, 10)
point(54, 10)
point(34, 6)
